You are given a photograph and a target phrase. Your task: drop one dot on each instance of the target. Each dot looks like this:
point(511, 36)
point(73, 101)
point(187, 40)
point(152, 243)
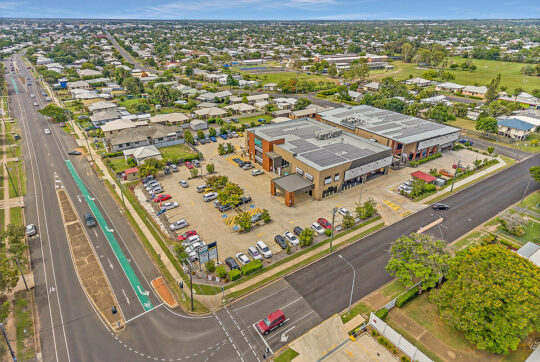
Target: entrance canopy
point(292, 183)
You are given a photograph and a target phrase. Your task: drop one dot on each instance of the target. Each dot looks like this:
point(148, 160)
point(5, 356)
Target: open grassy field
point(486, 70)
point(255, 119)
point(176, 152)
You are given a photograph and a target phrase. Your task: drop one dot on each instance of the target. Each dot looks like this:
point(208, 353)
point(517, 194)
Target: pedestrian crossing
point(229, 220)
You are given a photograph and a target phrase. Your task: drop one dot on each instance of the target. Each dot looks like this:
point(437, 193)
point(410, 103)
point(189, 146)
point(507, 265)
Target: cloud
point(7, 5)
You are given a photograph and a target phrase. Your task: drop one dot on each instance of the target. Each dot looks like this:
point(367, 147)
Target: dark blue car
point(224, 136)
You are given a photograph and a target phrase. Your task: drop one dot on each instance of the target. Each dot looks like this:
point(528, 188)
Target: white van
point(209, 196)
point(264, 249)
point(191, 240)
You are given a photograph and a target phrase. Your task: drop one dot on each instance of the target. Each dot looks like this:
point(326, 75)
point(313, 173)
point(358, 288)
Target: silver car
point(31, 230)
point(177, 225)
point(183, 183)
point(242, 258)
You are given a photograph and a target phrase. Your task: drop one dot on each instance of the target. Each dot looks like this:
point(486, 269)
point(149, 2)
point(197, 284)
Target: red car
point(189, 165)
point(460, 167)
point(271, 322)
point(162, 197)
point(186, 235)
point(324, 223)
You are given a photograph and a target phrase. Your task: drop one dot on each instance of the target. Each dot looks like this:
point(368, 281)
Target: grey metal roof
point(293, 182)
point(396, 126)
point(528, 249)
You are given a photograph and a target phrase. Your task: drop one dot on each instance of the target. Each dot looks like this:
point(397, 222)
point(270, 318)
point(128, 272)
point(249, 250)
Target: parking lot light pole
point(334, 210)
point(353, 278)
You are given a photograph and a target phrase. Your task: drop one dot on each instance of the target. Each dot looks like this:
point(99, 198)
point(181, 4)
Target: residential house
point(421, 82)
point(157, 135)
point(80, 84)
point(213, 96)
point(101, 106)
point(285, 103)
point(449, 87)
point(310, 111)
point(371, 87)
point(355, 96)
point(100, 118)
point(198, 124)
point(170, 118)
point(206, 113)
point(111, 128)
point(257, 98)
point(473, 91)
point(140, 154)
point(241, 108)
point(270, 86)
point(523, 98)
point(436, 100)
point(89, 73)
point(515, 128)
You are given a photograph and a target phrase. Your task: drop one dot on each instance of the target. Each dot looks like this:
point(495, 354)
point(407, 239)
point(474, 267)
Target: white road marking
point(95, 232)
point(140, 315)
point(110, 264)
point(260, 300)
point(125, 295)
point(264, 340)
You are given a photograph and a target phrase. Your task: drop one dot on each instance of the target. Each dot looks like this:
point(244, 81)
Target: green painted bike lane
point(14, 85)
point(126, 266)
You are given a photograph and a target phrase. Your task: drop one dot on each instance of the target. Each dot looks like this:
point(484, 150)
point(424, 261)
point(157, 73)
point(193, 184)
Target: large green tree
point(230, 194)
point(418, 257)
point(133, 86)
point(302, 103)
point(56, 113)
point(486, 125)
point(492, 295)
point(535, 173)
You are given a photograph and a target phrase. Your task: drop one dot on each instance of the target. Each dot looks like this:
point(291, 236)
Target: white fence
point(397, 339)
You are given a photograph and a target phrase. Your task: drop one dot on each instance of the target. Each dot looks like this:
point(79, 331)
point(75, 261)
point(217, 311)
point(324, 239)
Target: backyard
point(177, 152)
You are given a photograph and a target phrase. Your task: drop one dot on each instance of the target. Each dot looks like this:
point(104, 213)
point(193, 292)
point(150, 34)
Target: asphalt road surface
point(69, 328)
point(501, 150)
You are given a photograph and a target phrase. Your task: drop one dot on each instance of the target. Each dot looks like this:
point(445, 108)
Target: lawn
point(287, 355)
point(393, 289)
point(24, 326)
point(279, 76)
point(18, 176)
point(359, 308)
point(119, 164)
point(176, 152)
point(532, 233)
point(532, 202)
point(471, 239)
point(486, 70)
point(15, 214)
point(248, 120)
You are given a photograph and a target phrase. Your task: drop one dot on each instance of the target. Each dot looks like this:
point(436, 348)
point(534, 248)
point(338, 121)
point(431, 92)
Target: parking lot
point(212, 225)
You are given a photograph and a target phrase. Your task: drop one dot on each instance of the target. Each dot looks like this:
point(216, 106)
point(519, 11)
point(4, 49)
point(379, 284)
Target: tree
point(188, 71)
point(513, 224)
point(417, 257)
point(535, 173)
point(359, 71)
point(366, 210)
point(78, 105)
point(210, 167)
point(56, 113)
point(486, 125)
point(460, 109)
point(188, 137)
point(8, 274)
point(347, 222)
point(194, 172)
point(306, 237)
point(302, 103)
point(493, 89)
point(151, 166)
point(230, 194)
point(406, 51)
point(14, 234)
point(265, 216)
point(134, 86)
point(332, 70)
point(162, 95)
point(217, 182)
point(490, 150)
point(212, 132)
point(200, 134)
point(492, 295)
point(243, 220)
point(517, 92)
point(441, 113)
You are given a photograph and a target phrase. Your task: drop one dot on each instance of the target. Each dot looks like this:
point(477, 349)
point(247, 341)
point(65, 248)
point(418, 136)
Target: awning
point(292, 183)
point(272, 155)
point(423, 176)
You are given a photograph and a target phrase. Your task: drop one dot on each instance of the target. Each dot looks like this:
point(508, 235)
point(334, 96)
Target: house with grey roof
point(157, 135)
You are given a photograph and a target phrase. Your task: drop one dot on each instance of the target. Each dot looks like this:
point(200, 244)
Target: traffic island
point(89, 270)
point(163, 292)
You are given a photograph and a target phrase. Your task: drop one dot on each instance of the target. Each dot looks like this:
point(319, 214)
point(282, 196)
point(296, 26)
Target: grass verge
point(359, 308)
point(22, 310)
point(286, 356)
point(15, 214)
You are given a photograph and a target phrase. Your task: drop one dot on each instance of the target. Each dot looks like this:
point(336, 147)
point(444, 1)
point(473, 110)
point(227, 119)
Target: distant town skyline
point(271, 9)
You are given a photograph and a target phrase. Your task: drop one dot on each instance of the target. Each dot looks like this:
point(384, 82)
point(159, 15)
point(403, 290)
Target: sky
point(272, 9)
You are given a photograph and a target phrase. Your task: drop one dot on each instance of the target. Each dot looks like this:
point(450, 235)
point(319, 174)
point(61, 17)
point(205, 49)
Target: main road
point(71, 330)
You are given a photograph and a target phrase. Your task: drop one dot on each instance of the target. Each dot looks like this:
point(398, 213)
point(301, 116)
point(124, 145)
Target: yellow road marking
point(260, 234)
point(192, 203)
point(349, 353)
point(292, 222)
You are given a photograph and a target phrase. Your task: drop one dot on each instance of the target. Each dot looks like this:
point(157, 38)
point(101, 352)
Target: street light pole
point(353, 278)
point(454, 178)
point(334, 210)
point(13, 356)
point(22, 274)
point(523, 197)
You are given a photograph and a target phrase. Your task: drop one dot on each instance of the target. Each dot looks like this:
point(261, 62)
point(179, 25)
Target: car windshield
point(265, 249)
point(267, 321)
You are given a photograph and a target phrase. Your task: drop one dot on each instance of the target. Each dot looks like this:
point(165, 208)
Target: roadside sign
point(203, 254)
point(212, 251)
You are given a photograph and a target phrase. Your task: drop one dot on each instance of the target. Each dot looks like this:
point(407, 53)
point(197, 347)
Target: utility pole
point(88, 145)
point(523, 197)
point(7, 342)
point(353, 278)
point(11, 180)
point(454, 178)
point(334, 210)
point(22, 274)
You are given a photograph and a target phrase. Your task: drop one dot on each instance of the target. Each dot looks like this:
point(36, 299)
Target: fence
point(397, 339)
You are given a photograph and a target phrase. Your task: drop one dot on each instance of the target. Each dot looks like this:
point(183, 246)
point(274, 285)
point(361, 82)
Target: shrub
point(234, 274)
point(513, 224)
point(328, 232)
point(374, 333)
point(252, 267)
point(221, 272)
point(210, 266)
point(382, 313)
point(348, 221)
point(405, 297)
point(405, 359)
point(430, 188)
point(306, 237)
point(114, 154)
point(191, 157)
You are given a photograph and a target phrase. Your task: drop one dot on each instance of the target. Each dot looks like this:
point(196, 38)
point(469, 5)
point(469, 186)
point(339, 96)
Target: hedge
point(114, 154)
point(191, 158)
point(405, 297)
point(252, 267)
point(382, 313)
point(221, 272)
point(234, 274)
point(424, 160)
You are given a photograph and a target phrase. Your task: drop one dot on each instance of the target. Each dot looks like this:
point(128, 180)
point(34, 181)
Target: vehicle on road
point(186, 235)
point(281, 241)
point(465, 140)
point(74, 153)
point(177, 225)
point(32, 95)
point(317, 228)
point(47, 131)
point(161, 198)
point(291, 238)
point(189, 165)
point(324, 223)
point(242, 258)
point(231, 263)
point(48, 99)
point(89, 220)
point(254, 253)
point(264, 249)
point(343, 211)
point(273, 321)
point(31, 230)
point(256, 172)
point(183, 183)
point(298, 230)
point(36, 104)
point(439, 206)
point(169, 205)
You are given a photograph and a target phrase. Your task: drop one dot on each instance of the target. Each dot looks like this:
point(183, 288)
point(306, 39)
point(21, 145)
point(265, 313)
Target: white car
point(264, 249)
point(317, 228)
point(177, 225)
point(174, 168)
point(31, 230)
point(47, 131)
point(343, 211)
point(291, 238)
point(157, 189)
point(242, 258)
point(256, 172)
point(32, 95)
point(193, 247)
point(183, 183)
point(36, 104)
point(169, 205)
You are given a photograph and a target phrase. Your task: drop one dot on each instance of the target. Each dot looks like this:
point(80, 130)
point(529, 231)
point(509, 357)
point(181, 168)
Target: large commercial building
point(410, 138)
point(313, 159)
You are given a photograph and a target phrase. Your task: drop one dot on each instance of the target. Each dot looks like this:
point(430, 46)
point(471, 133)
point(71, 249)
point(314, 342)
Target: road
point(128, 56)
point(501, 150)
point(71, 330)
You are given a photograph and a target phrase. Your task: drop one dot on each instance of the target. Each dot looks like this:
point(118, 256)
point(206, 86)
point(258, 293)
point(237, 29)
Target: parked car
point(31, 230)
point(223, 208)
point(254, 253)
point(161, 198)
point(455, 166)
point(196, 163)
point(169, 205)
point(256, 217)
point(291, 238)
point(166, 170)
point(264, 249)
point(224, 136)
point(256, 172)
point(189, 165)
point(89, 220)
point(317, 228)
point(186, 235)
point(193, 247)
point(48, 99)
point(201, 188)
point(343, 211)
point(280, 240)
point(242, 258)
point(174, 168)
point(213, 139)
point(177, 225)
point(210, 196)
point(245, 199)
point(157, 189)
point(273, 321)
point(324, 223)
point(231, 263)
point(439, 206)
point(465, 140)
point(191, 240)
point(183, 183)
point(445, 173)
point(247, 166)
point(297, 230)
point(261, 120)
point(74, 153)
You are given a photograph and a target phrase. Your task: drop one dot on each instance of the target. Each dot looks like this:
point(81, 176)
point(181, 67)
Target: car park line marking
point(260, 300)
point(264, 340)
point(292, 222)
point(291, 303)
point(406, 213)
point(192, 203)
point(260, 234)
